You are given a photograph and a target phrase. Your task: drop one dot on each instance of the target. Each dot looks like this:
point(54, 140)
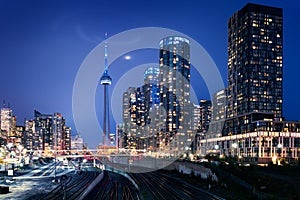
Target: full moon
point(127, 57)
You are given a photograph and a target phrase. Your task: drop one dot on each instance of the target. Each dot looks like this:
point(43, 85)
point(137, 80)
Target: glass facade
point(255, 61)
point(174, 80)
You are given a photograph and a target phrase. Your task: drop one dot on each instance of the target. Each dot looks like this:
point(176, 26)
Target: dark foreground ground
point(252, 182)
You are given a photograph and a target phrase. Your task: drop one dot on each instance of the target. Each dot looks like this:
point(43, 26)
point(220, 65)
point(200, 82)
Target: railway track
point(75, 185)
point(160, 186)
point(113, 186)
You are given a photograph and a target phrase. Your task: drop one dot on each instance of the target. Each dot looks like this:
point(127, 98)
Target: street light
point(217, 148)
point(234, 146)
point(279, 146)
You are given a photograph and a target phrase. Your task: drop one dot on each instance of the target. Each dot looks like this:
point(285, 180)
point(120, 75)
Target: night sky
point(43, 44)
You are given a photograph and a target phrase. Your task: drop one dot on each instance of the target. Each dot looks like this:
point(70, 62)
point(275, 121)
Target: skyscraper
point(43, 136)
point(255, 61)
point(151, 91)
point(219, 105)
point(174, 79)
point(49, 132)
point(205, 114)
point(28, 135)
point(152, 101)
point(105, 81)
point(141, 113)
point(133, 115)
point(159, 116)
point(6, 123)
point(254, 129)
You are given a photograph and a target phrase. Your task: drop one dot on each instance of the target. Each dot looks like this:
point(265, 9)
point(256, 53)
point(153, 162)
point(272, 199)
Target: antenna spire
point(105, 54)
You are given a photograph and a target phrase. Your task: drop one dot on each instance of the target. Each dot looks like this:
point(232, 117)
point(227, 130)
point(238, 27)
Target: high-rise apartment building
point(159, 116)
point(139, 107)
point(43, 135)
point(205, 114)
point(219, 104)
point(29, 134)
point(50, 132)
point(255, 61)
point(151, 91)
point(254, 129)
point(174, 77)
point(133, 115)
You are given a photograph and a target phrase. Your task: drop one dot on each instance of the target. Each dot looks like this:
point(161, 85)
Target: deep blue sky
point(43, 43)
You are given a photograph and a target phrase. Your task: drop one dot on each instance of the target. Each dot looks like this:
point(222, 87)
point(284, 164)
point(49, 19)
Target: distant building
point(19, 135)
point(112, 139)
point(43, 137)
point(196, 126)
point(121, 136)
point(133, 115)
point(66, 138)
point(77, 143)
point(50, 132)
point(28, 134)
point(6, 123)
point(205, 114)
point(219, 105)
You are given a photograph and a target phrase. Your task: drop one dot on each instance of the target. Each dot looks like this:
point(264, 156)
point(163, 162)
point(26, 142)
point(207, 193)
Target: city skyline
point(57, 81)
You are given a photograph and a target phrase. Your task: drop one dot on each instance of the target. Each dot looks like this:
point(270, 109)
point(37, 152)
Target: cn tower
point(105, 81)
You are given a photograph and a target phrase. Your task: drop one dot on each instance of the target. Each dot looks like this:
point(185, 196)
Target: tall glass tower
point(174, 79)
point(105, 81)
point(255, 61)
